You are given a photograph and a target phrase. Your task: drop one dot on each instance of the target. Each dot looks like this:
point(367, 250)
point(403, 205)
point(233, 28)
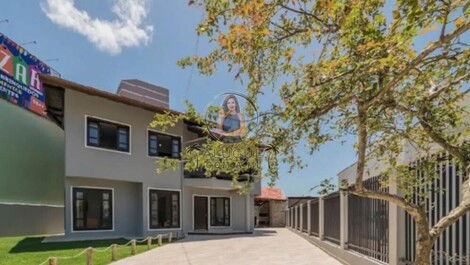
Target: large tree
point(387, 73)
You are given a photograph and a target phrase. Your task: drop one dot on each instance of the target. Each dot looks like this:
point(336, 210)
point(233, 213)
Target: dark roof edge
point(66, 84)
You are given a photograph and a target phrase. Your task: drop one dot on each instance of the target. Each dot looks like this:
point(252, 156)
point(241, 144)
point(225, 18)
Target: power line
point(196, 51)
point(29, 42)
point(52, 60)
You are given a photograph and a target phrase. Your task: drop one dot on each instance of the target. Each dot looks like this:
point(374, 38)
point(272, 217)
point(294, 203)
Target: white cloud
point(108, 35)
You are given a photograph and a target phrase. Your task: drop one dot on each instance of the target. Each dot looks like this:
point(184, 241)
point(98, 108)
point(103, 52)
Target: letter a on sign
point(35, 82)
point(21, 71)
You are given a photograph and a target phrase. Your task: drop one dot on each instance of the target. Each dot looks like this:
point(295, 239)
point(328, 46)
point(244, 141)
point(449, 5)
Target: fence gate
point(368, 223)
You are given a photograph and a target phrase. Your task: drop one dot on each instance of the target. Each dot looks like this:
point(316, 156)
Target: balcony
point(198, 179)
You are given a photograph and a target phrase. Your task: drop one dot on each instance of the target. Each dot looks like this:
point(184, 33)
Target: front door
point(200, 213)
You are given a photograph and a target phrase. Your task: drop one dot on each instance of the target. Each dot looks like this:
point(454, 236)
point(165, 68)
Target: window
point(164, 209)
point(164, 145)
point(220, 211)
point(107, 135)
point(92, 209)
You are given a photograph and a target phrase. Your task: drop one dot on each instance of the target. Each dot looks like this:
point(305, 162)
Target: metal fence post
point(343, 219)
point(292, 216)
point(321, 218)
point(309, 217)
point(288, 217)
point(396, 226)
point(296, 217)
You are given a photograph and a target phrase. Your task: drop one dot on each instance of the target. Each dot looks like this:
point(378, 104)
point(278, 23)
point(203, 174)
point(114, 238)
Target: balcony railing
point(247, 176)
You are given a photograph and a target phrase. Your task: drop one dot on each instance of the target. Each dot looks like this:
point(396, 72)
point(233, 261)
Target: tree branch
point(328, 107)
point(446, 86)
point(414, 210)
point(455, 214)
point(444, 24)
point(437, 138)
point(333, 78)
point(305, 13)
point(361, 144)
point(417, 60)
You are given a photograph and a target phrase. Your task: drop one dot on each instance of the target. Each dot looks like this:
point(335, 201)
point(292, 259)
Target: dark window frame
point(86, 190)
point(119, 128)
point(150, 214)
point(157, 153)
point(227, 218)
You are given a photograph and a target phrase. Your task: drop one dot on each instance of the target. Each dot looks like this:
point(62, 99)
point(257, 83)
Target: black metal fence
point(332, 217)
point(304, 217)
point(314, 217)
point(453, 246)
point(368, 223)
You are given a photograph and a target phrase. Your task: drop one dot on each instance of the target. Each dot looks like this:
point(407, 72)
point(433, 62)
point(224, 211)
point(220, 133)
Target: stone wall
point(277, 211)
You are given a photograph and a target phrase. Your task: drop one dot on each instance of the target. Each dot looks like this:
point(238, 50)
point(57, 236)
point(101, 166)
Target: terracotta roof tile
point(271, 194)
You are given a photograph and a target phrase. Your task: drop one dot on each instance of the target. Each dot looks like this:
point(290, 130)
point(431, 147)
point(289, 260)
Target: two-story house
point(111, 185)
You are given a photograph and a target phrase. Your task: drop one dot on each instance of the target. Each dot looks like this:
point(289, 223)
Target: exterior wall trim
point(148, 210)
point(71, 209)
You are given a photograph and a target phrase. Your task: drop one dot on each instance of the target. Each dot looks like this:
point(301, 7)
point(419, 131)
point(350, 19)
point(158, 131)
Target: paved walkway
point(263, 247)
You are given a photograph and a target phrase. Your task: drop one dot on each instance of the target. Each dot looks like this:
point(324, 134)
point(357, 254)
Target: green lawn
point(30, 251)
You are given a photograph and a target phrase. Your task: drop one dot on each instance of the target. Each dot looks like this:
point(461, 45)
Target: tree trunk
point(424, 241)
point(423, 252)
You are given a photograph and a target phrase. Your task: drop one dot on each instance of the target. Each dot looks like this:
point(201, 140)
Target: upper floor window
point(107, 135)
point(163, 145)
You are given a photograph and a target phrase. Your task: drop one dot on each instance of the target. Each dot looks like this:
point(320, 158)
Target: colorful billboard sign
point(19, 76)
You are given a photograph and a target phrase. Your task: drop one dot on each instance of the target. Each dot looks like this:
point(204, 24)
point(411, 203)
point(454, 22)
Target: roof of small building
point(274, 194)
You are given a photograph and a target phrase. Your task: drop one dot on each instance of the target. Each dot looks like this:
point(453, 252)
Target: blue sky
point(172, 37)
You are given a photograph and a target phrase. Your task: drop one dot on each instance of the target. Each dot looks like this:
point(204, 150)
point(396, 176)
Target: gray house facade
point(111, 185)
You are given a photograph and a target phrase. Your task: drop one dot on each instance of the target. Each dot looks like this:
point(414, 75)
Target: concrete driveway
point(265, 246)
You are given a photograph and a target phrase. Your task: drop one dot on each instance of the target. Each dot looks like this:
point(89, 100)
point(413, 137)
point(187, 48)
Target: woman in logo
point(230, 123)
